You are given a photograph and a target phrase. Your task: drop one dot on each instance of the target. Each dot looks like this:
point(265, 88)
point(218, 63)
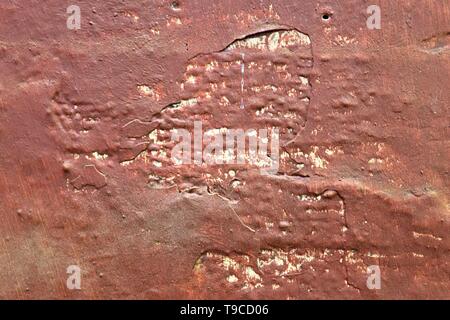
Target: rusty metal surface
point(86, 178)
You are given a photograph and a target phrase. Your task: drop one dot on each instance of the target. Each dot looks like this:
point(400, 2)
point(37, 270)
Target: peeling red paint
point(86, 176)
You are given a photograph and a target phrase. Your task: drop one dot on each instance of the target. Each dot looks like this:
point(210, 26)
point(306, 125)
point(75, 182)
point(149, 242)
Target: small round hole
point(175, 5)
point(326, 17)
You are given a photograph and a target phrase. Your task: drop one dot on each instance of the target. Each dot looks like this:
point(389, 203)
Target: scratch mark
point(235, 213)
point(242, 80)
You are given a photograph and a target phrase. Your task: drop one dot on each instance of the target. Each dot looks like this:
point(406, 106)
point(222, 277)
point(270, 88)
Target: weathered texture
point(86, 176)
